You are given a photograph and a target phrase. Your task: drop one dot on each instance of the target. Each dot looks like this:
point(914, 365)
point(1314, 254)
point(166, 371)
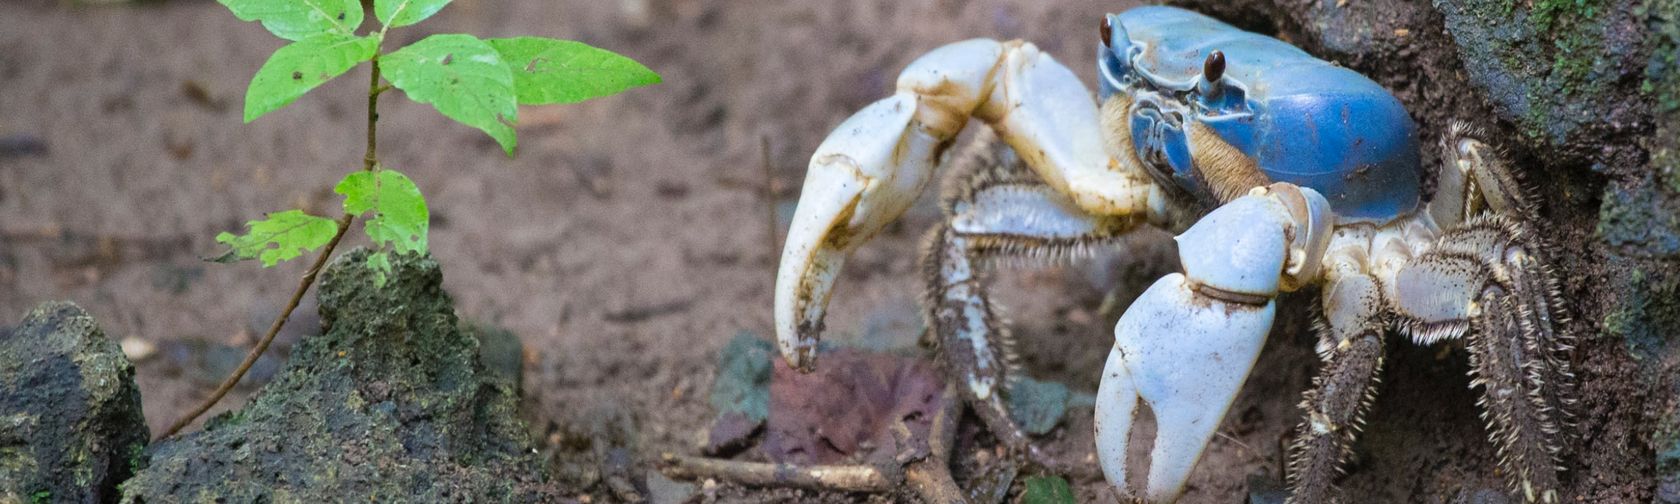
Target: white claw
point(1186, 356)
point(860, 179)
point(875, 164)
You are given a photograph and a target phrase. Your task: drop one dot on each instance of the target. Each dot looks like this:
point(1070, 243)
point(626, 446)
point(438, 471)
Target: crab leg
point(1483, 281)
point(995, 208)
point(1187, 344)
point(875, 163)
point(1351, 346)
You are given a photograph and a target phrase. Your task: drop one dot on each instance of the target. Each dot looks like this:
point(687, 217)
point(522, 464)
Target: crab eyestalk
point(1213, 69)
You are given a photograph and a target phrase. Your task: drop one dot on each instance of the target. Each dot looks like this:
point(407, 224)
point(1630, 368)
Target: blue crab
point(1279, 171)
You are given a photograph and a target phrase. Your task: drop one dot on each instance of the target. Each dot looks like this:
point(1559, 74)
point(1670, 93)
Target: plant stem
point(370, 160)
point(262, 345)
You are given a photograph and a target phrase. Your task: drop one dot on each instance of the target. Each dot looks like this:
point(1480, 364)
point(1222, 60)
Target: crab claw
point(1184, 357)
point(1186, 345)
point(859, 181)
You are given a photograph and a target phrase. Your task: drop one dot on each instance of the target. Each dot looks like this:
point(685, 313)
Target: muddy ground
point(628, 240)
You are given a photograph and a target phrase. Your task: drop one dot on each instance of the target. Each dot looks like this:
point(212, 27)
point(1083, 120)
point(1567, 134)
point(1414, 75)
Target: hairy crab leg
point(995, 209)
point(1486, 278)
point(1482, 280)
point(875, 163)
point(1351, 346)
point(1185, 346)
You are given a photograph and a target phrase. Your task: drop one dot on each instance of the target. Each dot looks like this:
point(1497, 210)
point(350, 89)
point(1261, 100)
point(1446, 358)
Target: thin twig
point(847, 478)
point(930, 477)
point(1244, 446)
point(369, 161)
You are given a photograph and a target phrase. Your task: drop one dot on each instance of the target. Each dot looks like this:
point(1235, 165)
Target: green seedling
point(478, 82)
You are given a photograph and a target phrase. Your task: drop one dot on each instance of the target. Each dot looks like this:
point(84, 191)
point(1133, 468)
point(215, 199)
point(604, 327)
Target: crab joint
point(1229, 296)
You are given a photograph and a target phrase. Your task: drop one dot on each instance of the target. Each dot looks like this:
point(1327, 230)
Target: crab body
point(1278, 170)
point(1302, 120)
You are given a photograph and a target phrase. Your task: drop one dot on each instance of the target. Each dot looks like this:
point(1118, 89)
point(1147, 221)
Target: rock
point(740, 394)
point(663, 490)
point(22, 145)
point(1485, 496)
point(1264, 489)
point(304, 322)
point(1037, 406)
point(1567, 75)
point(70, 422)
point(893, 326)
point(502, 354)
point(391, 403)
point(1668, 491)
point(208, 363)
point(137, 349)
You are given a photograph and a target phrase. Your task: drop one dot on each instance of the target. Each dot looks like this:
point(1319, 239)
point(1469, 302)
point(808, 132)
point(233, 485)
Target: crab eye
point(1214, 67)
point(1107, 31)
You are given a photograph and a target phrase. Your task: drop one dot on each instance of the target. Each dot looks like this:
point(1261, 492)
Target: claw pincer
point(1186, 345)
point(877, 162)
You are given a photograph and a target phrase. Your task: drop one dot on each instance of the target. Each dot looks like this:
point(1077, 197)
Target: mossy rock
point(71, 428)
point(391, 404)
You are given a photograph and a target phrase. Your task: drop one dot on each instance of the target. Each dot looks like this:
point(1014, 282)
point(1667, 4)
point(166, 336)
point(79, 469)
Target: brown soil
point(627, 242)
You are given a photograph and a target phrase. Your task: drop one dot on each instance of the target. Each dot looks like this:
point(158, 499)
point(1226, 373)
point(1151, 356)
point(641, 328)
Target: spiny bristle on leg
point(1494, 181)
point(1335, 410)
point(1520, 420)
point(996, 211)
point(1350, 328)
point(965, 327)
point(1488, 279)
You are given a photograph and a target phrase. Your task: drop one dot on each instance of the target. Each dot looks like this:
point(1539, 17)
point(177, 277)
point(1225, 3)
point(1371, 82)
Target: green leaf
point(1047, 490)
point(380, 263)
point(301, 66)
point(283, 236)
point(299, 19)
point(395, 13)
point(547, 71)
point(400, 217)
point(463, 77)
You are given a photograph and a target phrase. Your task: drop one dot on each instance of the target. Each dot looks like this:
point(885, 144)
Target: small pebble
point(138, 350)
point(663, 490)
point(1263, 489)
point(22, 145)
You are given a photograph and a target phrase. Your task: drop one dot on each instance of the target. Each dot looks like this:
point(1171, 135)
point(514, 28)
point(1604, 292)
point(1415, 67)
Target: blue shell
point(1303, 120)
